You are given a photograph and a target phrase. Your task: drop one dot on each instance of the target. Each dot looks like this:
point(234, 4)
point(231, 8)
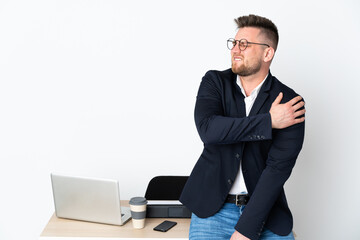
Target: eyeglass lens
point(231, 43)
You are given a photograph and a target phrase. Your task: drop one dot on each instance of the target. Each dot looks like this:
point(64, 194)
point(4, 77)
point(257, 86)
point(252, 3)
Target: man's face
point(249, 61)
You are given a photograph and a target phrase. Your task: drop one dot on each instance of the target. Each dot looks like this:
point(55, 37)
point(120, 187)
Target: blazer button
point(237, 155)
point(229, 181)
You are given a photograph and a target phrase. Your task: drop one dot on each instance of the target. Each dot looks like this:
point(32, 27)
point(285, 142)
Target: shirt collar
point(254, 92)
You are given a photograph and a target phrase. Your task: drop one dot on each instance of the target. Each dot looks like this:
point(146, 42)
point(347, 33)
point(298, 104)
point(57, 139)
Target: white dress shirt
point(239, 186)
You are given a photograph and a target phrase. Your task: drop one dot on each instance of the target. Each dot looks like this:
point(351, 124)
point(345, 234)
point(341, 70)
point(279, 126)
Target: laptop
point(88, 199)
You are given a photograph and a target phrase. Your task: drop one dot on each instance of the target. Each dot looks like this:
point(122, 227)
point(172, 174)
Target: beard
point(246, 69)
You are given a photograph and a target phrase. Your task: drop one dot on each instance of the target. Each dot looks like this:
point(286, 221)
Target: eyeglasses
point(243, 43)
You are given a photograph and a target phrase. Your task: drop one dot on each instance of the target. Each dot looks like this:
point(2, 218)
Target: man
point(252, 127)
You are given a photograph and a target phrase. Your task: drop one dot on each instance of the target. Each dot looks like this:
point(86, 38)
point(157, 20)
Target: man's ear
point(269, 54)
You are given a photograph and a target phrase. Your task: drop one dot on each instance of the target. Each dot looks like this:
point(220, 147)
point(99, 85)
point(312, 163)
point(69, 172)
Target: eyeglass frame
point(237, 42)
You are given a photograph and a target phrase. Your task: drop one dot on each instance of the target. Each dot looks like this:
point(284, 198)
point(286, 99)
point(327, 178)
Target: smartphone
point(164, 226)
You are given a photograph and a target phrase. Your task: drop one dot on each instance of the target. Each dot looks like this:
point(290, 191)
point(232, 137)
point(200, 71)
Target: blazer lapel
point(262, 96)
point(238, 99)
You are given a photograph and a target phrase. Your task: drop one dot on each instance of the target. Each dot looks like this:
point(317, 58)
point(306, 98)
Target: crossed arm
point(215, 128)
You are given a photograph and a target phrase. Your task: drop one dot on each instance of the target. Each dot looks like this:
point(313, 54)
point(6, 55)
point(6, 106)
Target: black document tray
point(166, 188)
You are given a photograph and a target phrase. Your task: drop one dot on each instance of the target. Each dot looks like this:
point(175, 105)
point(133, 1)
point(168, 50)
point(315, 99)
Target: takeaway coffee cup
point(138, 211)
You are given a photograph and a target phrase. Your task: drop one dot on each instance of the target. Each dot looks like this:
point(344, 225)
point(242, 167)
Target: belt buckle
point(239, 201)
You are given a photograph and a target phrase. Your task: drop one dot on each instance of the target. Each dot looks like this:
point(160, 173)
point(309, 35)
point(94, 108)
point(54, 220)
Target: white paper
point(164, 202)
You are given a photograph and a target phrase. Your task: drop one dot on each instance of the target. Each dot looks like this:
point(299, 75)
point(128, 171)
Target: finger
point(299, 120)
point(298, 105)
point(295, 100)
point(299, 113)
point(278, 98)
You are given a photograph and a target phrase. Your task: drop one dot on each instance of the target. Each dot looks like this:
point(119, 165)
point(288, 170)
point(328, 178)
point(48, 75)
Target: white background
point(107, 89)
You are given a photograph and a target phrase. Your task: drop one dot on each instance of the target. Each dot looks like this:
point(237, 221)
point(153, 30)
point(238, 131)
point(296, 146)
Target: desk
point(65, 229)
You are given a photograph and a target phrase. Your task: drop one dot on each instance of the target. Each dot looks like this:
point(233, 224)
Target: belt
point(239, 200)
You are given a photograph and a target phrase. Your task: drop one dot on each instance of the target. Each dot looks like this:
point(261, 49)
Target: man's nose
point(236, 48)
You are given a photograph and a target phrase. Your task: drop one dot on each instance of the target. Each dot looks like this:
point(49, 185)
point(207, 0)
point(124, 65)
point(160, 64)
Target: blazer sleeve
point(283, 153)
point(216, 128)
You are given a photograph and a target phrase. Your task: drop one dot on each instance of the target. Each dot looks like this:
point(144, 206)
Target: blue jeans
point(221, 225)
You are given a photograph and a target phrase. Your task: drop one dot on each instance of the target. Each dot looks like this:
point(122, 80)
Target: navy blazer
point(268, 155)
